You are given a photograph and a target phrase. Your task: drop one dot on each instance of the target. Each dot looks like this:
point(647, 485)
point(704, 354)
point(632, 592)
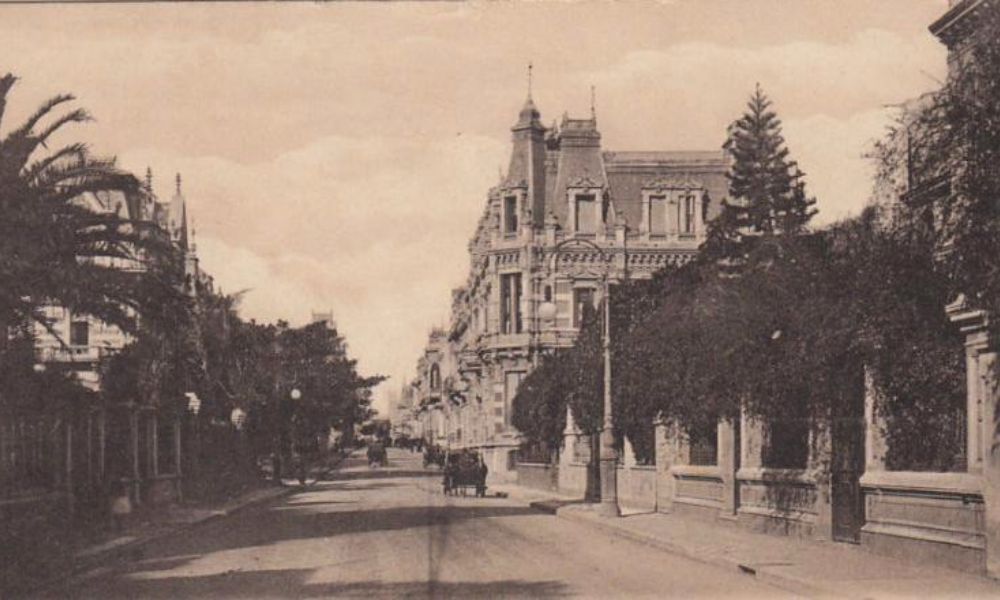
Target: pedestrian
point(483, 471)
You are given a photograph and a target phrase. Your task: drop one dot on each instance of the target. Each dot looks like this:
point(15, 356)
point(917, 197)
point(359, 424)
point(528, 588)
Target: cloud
point(373, 228)
point(832, 154)
point(338, 156)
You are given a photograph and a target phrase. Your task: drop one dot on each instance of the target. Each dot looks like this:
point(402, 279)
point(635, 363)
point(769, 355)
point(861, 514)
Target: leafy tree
point(539, 407)
point(940, 158)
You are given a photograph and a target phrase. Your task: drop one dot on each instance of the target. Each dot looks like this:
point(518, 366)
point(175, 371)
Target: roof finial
point(593, 103)
point(530, 66)
point(178, 184)
point(149, 179)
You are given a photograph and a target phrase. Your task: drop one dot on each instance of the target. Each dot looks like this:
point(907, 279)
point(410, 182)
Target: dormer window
point(510, 214)
point(586, 213)
point(672, 208)
point(657, 215)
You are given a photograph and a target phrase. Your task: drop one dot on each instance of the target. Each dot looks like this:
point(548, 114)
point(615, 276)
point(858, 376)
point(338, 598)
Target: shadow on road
point(381, 474)
point(264, 527)
point(161, 570)
point(292, 583)
point(347, 486)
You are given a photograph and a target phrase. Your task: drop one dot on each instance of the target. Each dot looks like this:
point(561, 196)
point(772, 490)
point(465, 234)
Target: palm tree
point(54, 249)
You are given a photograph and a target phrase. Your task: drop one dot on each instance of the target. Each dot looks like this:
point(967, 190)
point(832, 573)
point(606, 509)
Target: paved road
point(390, 533)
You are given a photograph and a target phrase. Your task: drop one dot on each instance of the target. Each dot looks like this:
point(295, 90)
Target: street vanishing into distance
point(390, 533)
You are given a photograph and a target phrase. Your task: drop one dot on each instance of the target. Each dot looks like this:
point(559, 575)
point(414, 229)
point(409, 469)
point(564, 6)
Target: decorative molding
point(685, 182)
point(584, 182)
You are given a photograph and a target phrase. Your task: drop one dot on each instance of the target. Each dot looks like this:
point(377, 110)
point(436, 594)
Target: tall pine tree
point(766, 188)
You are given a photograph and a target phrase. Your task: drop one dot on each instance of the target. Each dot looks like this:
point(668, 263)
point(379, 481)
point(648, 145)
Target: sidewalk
point(174, 519)
point(812, 568)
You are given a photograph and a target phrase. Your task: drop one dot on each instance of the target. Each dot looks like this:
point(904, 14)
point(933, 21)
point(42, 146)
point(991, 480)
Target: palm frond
point(37, 168)
point(26, 128)
point(6, 83)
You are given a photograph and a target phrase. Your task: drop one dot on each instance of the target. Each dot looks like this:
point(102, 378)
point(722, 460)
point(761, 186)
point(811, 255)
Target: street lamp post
point(608, 457)
point(299, 461)
point(194, 407)
point(238, 417)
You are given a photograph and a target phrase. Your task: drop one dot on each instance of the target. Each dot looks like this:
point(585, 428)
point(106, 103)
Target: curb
point(765, 574)
point(118, 552)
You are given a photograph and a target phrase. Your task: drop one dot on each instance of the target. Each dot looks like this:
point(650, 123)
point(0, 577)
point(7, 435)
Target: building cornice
point(949, 23)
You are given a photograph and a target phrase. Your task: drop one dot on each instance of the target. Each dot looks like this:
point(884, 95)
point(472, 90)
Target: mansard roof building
point(620, 214)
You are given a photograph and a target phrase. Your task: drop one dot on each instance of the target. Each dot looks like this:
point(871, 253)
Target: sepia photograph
point(528, 299)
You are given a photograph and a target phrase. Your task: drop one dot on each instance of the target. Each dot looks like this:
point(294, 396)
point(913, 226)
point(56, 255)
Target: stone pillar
point(570, 438)
point(751, 441)
point(628, 460)
point(982, 451)
point(666, 457)
point(875, 443)
point(989, 421)
point(729, 459)
point(820, 454)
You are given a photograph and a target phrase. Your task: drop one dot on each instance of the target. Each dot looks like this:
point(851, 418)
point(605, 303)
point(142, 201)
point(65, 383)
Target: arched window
point(435, 377)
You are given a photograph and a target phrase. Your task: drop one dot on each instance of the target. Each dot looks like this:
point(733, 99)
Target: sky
point(336, 157)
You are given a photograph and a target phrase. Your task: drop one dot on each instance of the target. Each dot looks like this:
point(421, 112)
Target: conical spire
point(529, 115)
point(529, 80)
point(178, 216)
point(593, 103)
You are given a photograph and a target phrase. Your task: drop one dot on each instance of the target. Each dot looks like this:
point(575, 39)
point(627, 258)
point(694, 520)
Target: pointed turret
point(527, 160)
point(177, 217)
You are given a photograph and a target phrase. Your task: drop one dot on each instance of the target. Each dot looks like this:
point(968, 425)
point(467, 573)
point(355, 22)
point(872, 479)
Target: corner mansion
point(626, 214)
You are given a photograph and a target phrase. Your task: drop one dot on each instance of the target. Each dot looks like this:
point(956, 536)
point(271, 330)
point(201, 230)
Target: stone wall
point(697, 490)
point(933, 517)
point(637, 487)
point(572, 479)
point(538, 476)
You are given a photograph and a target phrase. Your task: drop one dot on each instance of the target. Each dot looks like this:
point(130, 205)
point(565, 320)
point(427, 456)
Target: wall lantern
point(194, 403)
point(238, 418)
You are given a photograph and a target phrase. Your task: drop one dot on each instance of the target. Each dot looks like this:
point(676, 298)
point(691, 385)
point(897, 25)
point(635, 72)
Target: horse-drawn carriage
point(434, 455)
point(464, 471)
point(377, 455)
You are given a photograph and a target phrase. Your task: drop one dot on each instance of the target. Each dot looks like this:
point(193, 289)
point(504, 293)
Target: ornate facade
point(130, 443)
point(624, 214)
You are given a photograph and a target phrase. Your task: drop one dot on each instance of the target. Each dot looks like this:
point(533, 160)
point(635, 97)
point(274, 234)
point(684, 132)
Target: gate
point(846, 466)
